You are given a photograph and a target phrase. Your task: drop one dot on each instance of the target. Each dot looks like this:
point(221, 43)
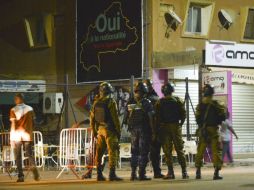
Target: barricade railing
point(76, 149)
point(7, 150)
point(7, 153)
point(38, 149)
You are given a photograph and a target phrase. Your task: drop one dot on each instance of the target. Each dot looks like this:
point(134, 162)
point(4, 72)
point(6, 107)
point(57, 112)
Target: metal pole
point(72, 109)
point(66, 110)
point(187, 108)
point(132, 81)
point(200, 77)
point(1, 123)
point(146, 38)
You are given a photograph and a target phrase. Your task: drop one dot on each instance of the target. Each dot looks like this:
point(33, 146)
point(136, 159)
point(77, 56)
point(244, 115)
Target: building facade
point(180, 29)
point(37, 41)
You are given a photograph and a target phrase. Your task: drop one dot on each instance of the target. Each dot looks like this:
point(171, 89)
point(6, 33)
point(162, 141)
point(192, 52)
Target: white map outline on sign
point(98, 67)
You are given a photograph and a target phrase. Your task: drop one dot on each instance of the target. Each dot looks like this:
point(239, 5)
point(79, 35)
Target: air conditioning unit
point(52, 102)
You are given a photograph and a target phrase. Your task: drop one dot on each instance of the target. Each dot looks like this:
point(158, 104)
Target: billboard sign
point(219, 80)
point(229, 55)
point(109, 40)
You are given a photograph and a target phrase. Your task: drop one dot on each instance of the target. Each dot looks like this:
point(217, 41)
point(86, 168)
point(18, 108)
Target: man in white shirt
point(21, 117)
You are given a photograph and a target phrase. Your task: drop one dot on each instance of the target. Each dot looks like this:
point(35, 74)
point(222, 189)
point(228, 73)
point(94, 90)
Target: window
point(249, 28)
point(198, 19)
point(37, 28)
point(194, 20)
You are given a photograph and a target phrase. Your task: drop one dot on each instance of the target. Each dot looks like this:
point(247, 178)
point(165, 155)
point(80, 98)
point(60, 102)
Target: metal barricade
point(90, 150)
point(38, 149)
point(8, 151)
point(75, 144)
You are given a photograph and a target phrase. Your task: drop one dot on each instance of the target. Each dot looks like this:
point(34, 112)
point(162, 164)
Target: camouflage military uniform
point(171, 114)
point(107, 131)
point(209, 134)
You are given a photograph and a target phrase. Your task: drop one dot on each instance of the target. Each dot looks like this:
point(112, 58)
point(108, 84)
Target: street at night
point(235, 178)
point(127, 94)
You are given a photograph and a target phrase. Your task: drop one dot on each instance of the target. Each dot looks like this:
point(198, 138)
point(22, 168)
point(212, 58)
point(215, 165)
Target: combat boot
point(184, 173)
point(100, 176)
point(158, 174)
point(216, 175)
point(134, 174)
point(88, 174)
point(21, 179)
point(113, 176)
point(142, 175)
point(170, 174)
point(198, 173)
point(36, 174)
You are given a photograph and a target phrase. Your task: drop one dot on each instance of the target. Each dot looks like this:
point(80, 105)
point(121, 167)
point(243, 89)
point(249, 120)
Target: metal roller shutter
point(243, 117)
point(180, 91)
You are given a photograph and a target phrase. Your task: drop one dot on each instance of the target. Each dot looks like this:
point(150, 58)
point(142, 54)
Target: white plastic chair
point(7, 153)
point(190, 148)
point(8, 156)
point(125, 152)
point(161, 155)
point(46, 156)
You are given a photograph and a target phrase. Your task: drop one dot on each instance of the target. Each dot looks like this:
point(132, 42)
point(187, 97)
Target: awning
point(242, 78)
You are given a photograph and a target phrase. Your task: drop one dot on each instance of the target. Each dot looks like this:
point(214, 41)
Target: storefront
point(177, 76)
point(33, 91)
point(243, 116)
point(238, 58)
point(242, 99)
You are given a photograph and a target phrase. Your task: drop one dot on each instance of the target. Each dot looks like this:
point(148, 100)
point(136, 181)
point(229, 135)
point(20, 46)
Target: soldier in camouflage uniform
point(209, 115)
point(140, 121)
point(105, 124)
point(155, 144)
point(170, 116)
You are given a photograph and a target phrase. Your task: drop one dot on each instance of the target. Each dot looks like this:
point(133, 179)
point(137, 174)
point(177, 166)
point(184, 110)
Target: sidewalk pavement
point(49, 176)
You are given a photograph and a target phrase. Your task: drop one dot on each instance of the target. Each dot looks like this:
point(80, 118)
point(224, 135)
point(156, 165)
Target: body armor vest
point(101, 112)
point(136, 116)
point(169, 111)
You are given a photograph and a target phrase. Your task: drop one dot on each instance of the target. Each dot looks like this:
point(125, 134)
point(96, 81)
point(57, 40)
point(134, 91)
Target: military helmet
point(141, 87)
point(106, 88)
point(149, 82)
point(167, 89)
point(208, 90)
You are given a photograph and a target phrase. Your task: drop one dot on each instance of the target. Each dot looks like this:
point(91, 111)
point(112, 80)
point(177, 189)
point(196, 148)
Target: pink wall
point(160, 77)
point(230, 103)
